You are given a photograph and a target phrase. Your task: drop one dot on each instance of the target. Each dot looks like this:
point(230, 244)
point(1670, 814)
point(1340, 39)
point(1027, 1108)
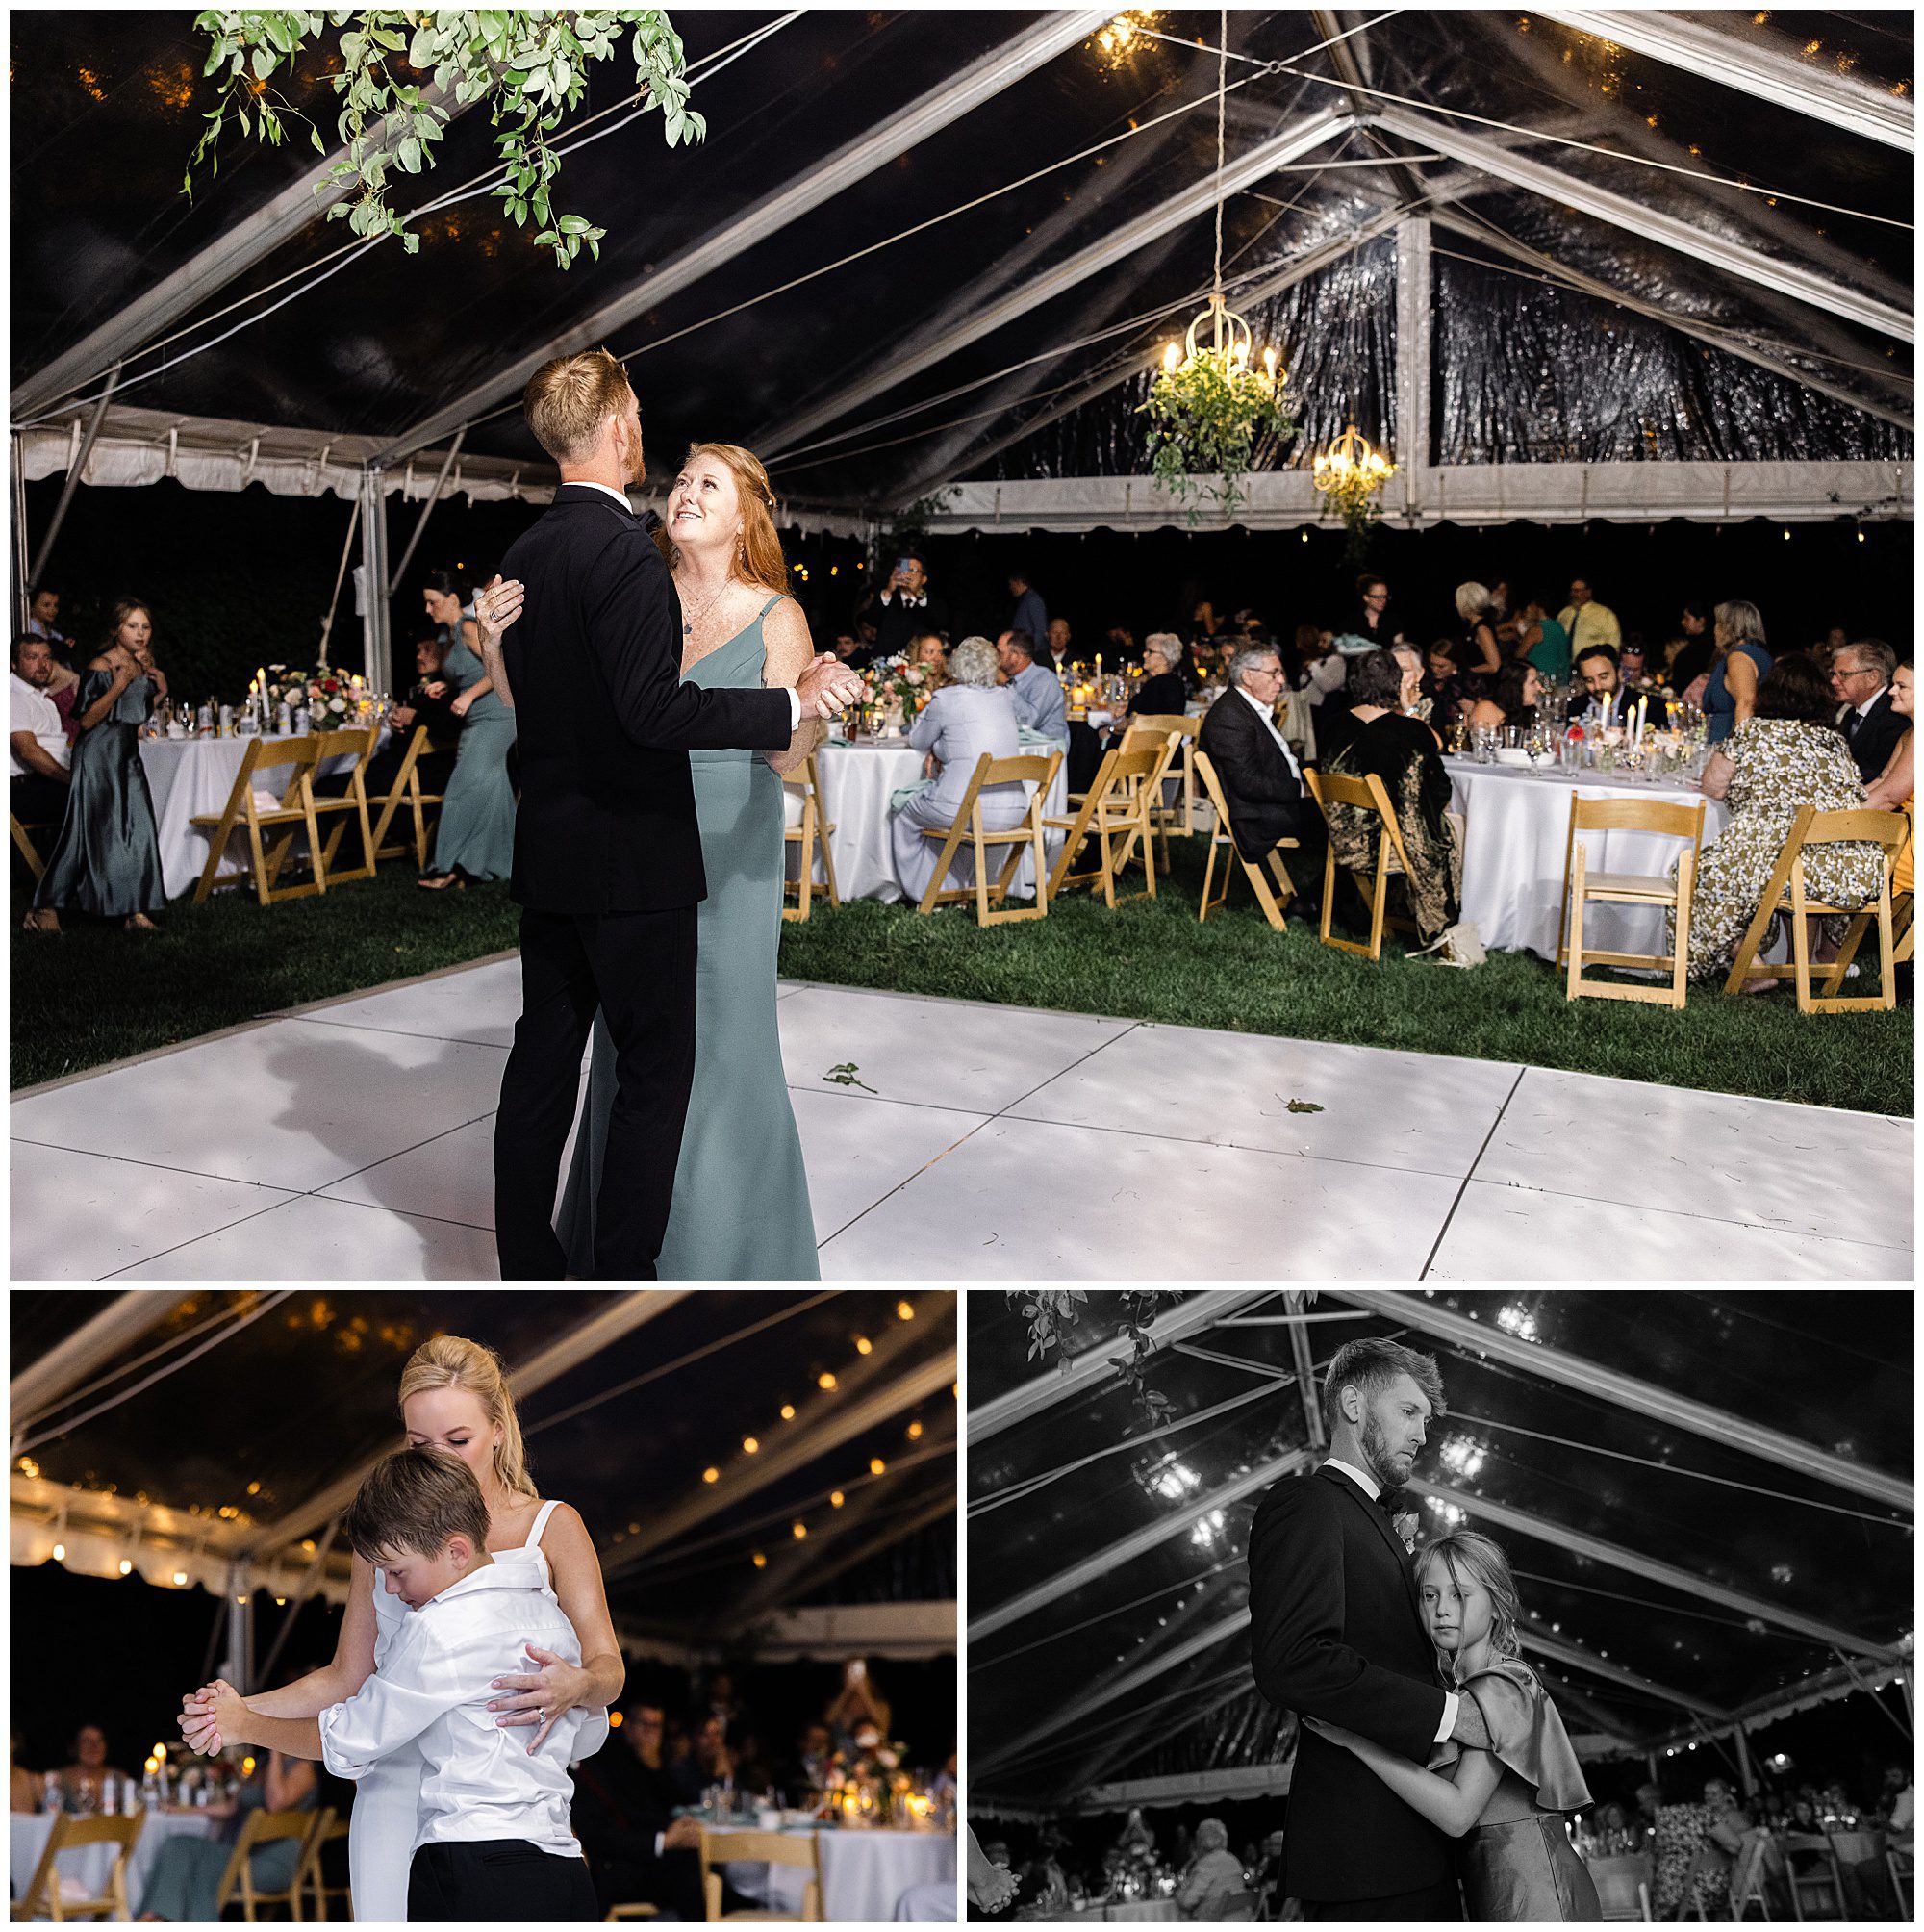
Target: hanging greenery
point(401, 74)
point(1205, 416)
point(1351, 476)
point(1053, 1312)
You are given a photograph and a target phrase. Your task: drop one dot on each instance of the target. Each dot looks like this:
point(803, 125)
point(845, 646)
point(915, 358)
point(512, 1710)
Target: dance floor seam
point(983, 1142)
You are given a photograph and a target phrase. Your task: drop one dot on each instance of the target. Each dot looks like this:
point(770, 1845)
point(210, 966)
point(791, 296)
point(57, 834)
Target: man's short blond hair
point(567, 400)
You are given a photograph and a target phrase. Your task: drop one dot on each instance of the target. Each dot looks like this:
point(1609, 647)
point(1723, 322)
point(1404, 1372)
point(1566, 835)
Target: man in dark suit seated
point(1262, 784)
point(427, 704)
point(638, 1851)
point(1860, 683)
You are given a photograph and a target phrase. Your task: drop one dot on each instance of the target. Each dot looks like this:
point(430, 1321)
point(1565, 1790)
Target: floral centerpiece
point(335, 698)
point(893, 691)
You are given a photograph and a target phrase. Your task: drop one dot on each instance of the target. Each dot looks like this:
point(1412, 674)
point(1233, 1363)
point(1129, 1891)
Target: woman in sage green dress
point(106, 861)
point(741, 1210)
point(184, 1882)
point(475, 838)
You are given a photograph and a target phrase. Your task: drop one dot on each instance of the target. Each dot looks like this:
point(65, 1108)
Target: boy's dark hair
point(415, 1500)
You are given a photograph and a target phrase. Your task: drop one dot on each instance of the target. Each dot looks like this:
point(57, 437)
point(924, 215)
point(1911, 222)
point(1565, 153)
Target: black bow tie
point(1390, 1503)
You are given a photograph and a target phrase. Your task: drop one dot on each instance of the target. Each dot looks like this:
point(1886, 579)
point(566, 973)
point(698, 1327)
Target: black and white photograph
point(477, 1607)
point(1395, 1607)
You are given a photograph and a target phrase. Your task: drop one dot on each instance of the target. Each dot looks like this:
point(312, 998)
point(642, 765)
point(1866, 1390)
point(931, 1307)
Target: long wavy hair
point(1464, 1552)
point(453, 1362)
point(759, 558)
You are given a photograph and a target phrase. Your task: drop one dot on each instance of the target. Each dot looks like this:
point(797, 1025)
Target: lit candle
point(1099, 664)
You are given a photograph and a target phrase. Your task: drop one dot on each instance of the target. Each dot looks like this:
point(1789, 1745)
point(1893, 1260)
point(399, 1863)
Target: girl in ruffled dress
point(1507, 1804)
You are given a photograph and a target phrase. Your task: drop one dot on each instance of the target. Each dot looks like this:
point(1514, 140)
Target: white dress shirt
point(620, 497)
point(1373, 1489)
point(432, 1690)
point(29, 708)
point(1263, 712)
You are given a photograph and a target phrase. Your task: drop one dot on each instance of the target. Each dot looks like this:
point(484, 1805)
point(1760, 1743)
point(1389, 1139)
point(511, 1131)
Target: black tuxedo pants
point(638, 967)
point(499, 1881)
point(1433, 1905)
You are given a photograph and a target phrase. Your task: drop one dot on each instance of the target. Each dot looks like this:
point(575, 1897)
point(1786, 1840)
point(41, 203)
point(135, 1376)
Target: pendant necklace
point(689, 623)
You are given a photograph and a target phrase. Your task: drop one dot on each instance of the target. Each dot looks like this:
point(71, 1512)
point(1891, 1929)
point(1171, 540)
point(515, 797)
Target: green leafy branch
point(1053, 1311)
point(1205, 416)
point(404, 72)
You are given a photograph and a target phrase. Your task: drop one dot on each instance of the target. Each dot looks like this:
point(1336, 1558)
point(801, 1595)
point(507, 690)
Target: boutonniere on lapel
point(1405, 1525)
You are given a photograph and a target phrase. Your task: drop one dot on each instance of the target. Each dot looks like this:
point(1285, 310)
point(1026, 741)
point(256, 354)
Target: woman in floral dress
point(1786, 755)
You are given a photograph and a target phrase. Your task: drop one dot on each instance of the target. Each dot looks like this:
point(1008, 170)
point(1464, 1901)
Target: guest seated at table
point(969, 716)
point(106, 861)
point(1369, 617)
point(638, 1851)
point(1737, 670)
point(1513, 698)
point(184, 1882)
point(430, 703)
point(1402, 752)
point(1599, 671)
point(1165, 691)
point(1895, 788)
point(1896, 1807)
point(1789, 755)
point(1040, 704)
point(23, 1788)
point(1692, 1869)
point(928, 649)
point(1860, 675)
point(809, 1770)
point(38, 751)
point(1213, 1877)
point(475, 840)
point(709, 1760)
point(1452, 689)
point(82, 1781)
point(1261, 779)
point(1044, 1883)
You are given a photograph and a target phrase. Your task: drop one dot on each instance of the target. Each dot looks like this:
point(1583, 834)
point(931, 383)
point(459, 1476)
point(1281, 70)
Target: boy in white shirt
point(494, 1843)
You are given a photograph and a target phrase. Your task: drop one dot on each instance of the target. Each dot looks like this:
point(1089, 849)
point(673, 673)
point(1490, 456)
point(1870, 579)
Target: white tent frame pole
point(1325, 256)
point(586, 1338)
point(1574, 1655)
point(1305, 1371)
point(1830, 98)
point(427, 511)
point(376, 646)
point(747, 1475)
point(1568, 190)
point(1194, 1315)
point(42, 1383)
point(1412, 361)
point(1197, 199)
point(1624, 1391)
point(1507, 1516)
point(73, 473)
point(1609, 1723)
point(982, 80)
point(1121, 1749)
point(1684, 324)
point(1137, 1544)
point(22, 602)
point(231, 253)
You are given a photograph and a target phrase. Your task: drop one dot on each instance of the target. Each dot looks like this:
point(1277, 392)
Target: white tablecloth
point(1516, 830)
point(196, 774)
point(857, 783)
point(88, 1865)
point(1130, 1911)
point(864, 1873)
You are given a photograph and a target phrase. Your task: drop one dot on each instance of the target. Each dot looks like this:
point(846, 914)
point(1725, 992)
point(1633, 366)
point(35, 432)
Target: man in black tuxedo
point(1860, 683)
point(1336, 1634)
point(607, 852)
point(905, 609)
point(1262, 783)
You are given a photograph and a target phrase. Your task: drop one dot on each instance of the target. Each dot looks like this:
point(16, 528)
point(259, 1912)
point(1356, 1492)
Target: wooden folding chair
point(1269, 879)
point(270, 833)
point(1177, 819)
point(358, 741)
point(1823, 1886)
point(771, 1848)
point(1581, 886)
point(44, 1898)
point(640, 1908)
point(406, 790)
point(1901, 1862)
point(810, 837)
point(24, 845)
point(1785, 894)
point(1365, 795)
point(1623, 1885)
point(1750, 1877)
point(265, 1827)
point(1115, 812)
point(330, 1828)
point(968, 825)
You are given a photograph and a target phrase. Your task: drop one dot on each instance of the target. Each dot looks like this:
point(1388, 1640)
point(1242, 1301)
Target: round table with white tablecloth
point(1126, 1911)
point(864, 1872)
point(1517, 832)
point(188, 775)
point(859, 780)
point(85, 1868)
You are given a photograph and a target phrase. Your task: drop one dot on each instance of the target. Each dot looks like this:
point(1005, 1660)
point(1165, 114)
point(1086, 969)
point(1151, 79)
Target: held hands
point(542, 1697)
point(496, 605)
point(228, 1712)
point(198, 1728)
point(827, 687)
point(993, 1889)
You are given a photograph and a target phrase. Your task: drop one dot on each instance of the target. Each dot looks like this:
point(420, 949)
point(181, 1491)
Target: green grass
point(97, 994)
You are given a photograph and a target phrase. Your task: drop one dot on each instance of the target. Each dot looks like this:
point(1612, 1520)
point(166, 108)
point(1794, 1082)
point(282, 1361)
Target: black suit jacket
point(1335, 1634)
point(1876, 737)
point(897, 622)
point(603, 719)
point(1264, 796)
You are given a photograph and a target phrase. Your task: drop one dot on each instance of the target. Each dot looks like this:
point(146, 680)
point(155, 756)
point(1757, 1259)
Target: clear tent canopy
point(1706, 1498)
point(214, 1439)
point(1561, 264)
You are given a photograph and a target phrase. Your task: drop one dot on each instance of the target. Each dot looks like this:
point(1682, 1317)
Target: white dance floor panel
point(353, 1142)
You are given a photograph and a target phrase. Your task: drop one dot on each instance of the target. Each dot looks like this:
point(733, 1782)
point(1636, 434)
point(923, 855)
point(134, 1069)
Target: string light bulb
point(126, 1566)
point(863, 1345)
point(876, 1466)
point(905, 1311)
point(915, 1432)
point(798, 1530)
point(788, 1411)
point(59, 1553)
point(761, 1562)
point(749, 1446)
point(836, 1499)
point(711, 1475)
point(824, 1380)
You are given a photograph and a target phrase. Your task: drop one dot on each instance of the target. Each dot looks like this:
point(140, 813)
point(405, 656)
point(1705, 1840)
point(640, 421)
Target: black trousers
point(35, 800)
point(1433, 1904)
point(638, 967)
point(497, 1881)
